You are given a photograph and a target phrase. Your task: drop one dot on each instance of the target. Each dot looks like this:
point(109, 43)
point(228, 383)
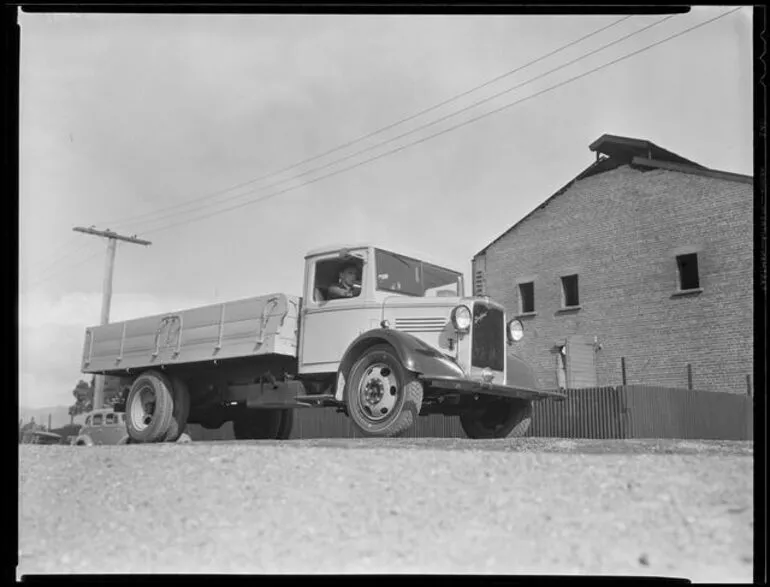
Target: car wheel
point(383, 399)
point(509, 418)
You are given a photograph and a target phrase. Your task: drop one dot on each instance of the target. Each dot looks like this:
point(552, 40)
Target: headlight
point(515, 331)
point(461, 318)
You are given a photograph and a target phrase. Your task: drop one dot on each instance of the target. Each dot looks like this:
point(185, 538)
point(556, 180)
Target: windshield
point(414, 278)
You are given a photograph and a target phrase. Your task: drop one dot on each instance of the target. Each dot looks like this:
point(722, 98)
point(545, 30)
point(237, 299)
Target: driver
point(346, 286)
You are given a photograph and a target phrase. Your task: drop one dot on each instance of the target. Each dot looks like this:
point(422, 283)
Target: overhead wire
point(122, 222)
point(475, 104)
point(33, 285)
point(450, 129)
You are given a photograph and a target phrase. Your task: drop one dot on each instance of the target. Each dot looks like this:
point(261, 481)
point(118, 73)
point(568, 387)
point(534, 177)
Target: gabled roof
point(613, 151)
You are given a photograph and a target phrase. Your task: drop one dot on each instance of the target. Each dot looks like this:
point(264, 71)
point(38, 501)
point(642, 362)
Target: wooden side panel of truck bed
point(253, 326)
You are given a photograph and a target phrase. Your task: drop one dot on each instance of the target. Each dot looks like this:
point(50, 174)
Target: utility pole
point(112, 241)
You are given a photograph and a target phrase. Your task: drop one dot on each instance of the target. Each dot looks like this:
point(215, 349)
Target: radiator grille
point(488, 333)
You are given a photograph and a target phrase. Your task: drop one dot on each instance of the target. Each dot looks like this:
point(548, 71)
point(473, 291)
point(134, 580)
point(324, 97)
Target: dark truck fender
point(416, 356)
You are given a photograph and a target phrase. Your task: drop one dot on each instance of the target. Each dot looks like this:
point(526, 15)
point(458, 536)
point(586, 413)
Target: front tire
point(509, 418)
point(383, 399)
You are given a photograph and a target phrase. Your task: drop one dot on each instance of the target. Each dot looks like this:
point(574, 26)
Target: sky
point(140, 123)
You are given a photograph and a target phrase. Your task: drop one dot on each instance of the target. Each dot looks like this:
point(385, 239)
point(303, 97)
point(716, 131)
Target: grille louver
point(421, 324)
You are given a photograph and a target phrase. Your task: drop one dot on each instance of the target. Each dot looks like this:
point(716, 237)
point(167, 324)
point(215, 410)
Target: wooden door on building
point(580, 361)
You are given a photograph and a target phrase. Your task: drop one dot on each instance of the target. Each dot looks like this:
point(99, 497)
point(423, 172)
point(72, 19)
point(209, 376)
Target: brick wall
point(620, 232)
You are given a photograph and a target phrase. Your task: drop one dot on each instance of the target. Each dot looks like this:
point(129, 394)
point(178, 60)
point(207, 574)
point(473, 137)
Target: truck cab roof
point(334, 248)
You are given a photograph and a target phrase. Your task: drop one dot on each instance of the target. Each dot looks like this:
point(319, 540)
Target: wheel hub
point(378, 392)
point(142, 408)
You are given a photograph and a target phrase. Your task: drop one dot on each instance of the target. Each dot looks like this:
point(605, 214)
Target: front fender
point(519, 373)
point(415, 355)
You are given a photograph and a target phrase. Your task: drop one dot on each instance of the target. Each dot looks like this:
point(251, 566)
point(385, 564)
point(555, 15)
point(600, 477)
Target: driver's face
point(348, 276)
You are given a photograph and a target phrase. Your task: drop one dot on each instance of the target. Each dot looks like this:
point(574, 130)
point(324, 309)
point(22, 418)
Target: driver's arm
point(336, 292)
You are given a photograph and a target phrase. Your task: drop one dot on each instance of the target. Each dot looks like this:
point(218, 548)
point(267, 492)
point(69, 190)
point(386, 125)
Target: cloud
point(51, 331)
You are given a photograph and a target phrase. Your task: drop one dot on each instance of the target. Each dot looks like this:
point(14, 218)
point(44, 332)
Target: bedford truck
point(404, 342)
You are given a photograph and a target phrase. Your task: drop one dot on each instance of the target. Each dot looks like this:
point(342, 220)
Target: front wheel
point(498, 419)
point(383, 399)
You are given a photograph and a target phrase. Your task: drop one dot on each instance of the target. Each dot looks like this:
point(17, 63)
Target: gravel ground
point(670, 508)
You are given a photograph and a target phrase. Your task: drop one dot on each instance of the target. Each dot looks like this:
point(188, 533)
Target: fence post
point(623, 368)
point(689, 376)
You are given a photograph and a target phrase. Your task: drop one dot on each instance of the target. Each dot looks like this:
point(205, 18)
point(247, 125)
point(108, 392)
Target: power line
point(63, 252)
point(410, 132)
point(419, 128)
point(120, 223)
point(37, 283)
point(424, 139)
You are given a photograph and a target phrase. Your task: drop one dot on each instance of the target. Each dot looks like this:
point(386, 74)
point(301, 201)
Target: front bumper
point(471, 386)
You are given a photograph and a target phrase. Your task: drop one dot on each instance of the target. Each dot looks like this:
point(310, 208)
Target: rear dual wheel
point(157, 408)
point(256, 424)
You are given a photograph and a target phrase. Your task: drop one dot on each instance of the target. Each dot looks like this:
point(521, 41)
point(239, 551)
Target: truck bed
point(249, 327)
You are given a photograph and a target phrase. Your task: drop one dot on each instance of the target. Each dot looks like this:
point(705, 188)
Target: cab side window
point(97, 420)
point(88, 421)
point(111, 419)
point(329, 284)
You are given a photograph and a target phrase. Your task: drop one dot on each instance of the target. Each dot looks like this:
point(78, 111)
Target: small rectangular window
point(97, 420)
point(527, 297)
point(687, 266)
point(478, 284)
point(111, 419)
point(569, 286)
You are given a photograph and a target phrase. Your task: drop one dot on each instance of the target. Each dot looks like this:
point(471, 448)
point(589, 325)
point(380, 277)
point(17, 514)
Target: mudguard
point(416, 355)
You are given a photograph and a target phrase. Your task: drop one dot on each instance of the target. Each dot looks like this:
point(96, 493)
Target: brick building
point(644, 256)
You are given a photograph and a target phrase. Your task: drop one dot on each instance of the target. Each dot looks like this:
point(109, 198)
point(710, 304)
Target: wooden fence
point(631, 411)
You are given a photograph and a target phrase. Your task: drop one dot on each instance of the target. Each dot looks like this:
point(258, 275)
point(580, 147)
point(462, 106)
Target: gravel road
point(456, 506)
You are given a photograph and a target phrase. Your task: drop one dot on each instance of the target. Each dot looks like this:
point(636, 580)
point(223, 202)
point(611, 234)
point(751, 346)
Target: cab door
point(114, 430)
point(330, 325)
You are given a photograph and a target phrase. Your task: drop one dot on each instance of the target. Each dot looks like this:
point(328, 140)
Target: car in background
point(103, 426)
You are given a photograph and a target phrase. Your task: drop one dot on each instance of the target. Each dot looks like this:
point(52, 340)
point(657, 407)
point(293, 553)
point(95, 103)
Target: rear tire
point(498, 419)
point(181, 412)
point(257, 424)
point(287, 423)
point(383, 399)
point(149, 408)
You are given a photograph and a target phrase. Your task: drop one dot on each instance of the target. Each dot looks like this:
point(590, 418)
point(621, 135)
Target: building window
point(527, 297)
point(569, 288)
point(687, 266)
